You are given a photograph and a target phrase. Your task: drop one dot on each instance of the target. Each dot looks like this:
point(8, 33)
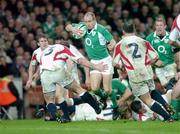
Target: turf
point(88, 127)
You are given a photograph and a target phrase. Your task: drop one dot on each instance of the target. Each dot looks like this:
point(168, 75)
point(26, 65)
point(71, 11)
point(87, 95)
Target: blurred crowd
point(21, 21)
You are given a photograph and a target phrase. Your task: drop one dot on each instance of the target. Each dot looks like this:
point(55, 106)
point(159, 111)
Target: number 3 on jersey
point(135, 53)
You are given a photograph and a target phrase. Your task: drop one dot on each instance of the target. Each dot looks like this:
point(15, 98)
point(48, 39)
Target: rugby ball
point(81, 26)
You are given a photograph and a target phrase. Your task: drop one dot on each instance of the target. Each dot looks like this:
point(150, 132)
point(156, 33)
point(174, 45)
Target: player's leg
point(60, 101)
point(49, 89)
point(85, 96)
point(176, 100)
point(154, 106)
point(142, 91)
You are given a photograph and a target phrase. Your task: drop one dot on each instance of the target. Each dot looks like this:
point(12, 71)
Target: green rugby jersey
point(96, 42)
point(162, 46)
point(118, 89)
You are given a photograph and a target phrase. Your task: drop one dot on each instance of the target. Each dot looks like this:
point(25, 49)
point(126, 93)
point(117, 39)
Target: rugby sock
point(114, 99)
point(64, 108)
point(86, 97)
point(77, 101)
point(71, 109)
point(175, 105)
point(102, 94)
point(170, 84)
point(51, 108)
point(155, 95)
point(159, 110)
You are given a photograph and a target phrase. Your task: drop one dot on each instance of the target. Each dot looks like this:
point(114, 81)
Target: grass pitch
point(88, 127)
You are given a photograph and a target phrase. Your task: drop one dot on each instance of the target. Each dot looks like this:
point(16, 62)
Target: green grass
point(88, 127)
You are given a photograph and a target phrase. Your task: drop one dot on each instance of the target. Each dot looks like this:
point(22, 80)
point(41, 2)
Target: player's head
point(128, 28)
point(90, 20)
point(160, 26)
point(61, 40)
point(137, 107)
point(42, 41)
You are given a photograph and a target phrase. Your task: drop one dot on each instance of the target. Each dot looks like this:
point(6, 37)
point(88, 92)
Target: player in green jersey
point(98, 41)
point(166, 69)
point(120, 93)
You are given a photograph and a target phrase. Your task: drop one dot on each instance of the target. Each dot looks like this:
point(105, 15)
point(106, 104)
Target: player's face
point(43, 43)
point(160, 28)
point(90, 22)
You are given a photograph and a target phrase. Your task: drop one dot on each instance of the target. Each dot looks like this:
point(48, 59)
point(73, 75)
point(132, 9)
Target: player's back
point(136, 54)
point(54, 57)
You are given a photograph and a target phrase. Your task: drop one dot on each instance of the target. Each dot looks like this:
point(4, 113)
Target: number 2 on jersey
point(135, 53)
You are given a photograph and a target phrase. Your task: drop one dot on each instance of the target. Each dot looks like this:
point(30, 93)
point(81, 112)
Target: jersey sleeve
point(175, 30)
point(34, 59)
point(75, 52)
point(150, 52)
point(107, 35)
point(116, 55)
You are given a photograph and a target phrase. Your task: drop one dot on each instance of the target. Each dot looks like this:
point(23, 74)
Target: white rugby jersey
point(135, 54)
point(86, 112)
point(54, 57)
point(75, 52)
point(175, 30)
point(36, 56)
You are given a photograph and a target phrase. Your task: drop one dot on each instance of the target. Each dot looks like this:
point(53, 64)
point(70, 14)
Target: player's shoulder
point(150, 36)
point(100, 27)
point(38, 50)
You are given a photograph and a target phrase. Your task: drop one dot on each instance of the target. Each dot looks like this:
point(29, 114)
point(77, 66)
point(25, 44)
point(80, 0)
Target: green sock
point(174, 104)
point(101, 93)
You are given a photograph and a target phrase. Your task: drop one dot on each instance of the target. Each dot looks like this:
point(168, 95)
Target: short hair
point(128, 27)
point(160, 18)
point(41, 36)
point(136, 106)
point(62, 41)
point(90, 14)
point(59, 38)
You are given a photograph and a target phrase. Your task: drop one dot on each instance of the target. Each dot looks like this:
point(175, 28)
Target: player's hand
point(88, 83)
point(101, 67)
point(35, 76)
point(28, 84)
point(177, 76)
point(110, 47)
point(77, 31)
point(159, 63)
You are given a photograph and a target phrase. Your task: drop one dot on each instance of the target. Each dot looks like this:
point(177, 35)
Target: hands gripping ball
point(80, 31)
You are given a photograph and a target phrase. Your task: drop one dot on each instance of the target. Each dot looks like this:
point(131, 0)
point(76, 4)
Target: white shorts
point(108, 62)
point(164, 74)
point(49, 79)
point(142, 87)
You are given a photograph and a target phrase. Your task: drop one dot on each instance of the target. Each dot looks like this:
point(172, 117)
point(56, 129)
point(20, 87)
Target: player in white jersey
point(53, 66)
point(136, 56)
point(74, 51)
point(35, 60)
point(175, 32)
point(86, 112)
point(175, 41)
point(141, 112)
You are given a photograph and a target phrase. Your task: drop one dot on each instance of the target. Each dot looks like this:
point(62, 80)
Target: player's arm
point(152, 55)
point(111, 46)
point(86, 63)
point(174, 43)
point(174, 35)
point(125, 97)
point(116, 62)
point(31, 71)
point(72, 29)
